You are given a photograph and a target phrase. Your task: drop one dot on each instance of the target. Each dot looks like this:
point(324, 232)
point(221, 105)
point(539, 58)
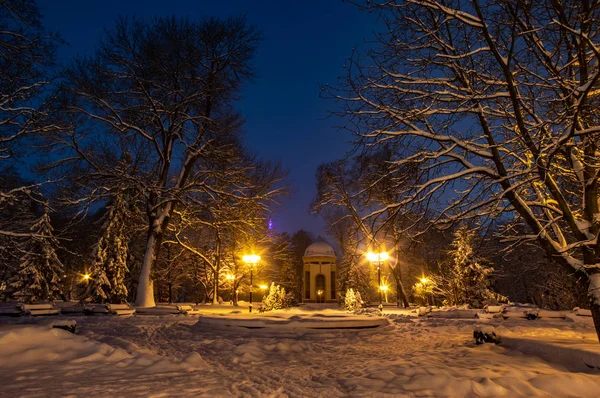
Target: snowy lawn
point(177, 356)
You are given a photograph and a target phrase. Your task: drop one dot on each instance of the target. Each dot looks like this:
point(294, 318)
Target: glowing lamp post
point(263, 288)
point(231, 279)
point(378, 258)
point(384, 289)
point(251, 260)
point(424, 282)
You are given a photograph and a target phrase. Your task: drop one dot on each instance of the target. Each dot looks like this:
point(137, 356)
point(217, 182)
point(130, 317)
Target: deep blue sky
point(306, 44)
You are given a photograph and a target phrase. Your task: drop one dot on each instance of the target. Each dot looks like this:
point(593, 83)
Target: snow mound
point(32, 347)
point(294, 322)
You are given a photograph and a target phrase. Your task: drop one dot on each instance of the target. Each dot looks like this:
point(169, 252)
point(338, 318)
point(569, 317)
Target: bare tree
point(496, 101)
point(161, 94)
point(27, 53)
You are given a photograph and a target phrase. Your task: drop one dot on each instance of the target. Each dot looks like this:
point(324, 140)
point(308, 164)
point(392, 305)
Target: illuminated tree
point(496, 103)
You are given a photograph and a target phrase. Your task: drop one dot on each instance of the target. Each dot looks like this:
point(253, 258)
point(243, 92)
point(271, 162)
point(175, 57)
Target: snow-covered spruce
point(352, 300)
point(38, 276)
point(109, 264)
point(276, 299)
point(468, 278)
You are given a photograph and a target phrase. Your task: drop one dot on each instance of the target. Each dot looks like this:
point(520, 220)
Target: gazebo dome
point(319, 249)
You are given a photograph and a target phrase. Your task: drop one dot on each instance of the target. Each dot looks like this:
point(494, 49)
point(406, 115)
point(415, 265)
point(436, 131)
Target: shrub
point(352, 300)
point(276, 299)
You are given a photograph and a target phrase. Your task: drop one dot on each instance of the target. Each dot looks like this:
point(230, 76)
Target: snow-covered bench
point(581, 312)
point(108, 309)
point(120, 309)
point(95, 308)
point(9, 309)
point(187, 309)
point(38, 309)
point(169, 309)
point(67, 307)
point(68, 325)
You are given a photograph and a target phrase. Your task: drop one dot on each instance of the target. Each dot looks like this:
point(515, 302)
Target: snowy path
point(408, 358)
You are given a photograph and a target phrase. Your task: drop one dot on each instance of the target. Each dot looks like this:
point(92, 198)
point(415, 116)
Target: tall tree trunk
point(594, 297)
point(217, 269)
point(145, 290)
point(397, 272)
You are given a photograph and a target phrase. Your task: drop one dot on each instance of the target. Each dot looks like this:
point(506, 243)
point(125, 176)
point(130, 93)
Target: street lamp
point(378, 258)
point(424, 282)
point(231, 279)
point(251, 260)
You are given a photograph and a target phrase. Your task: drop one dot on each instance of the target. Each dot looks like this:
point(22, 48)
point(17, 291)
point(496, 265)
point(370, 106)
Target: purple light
point(270, 224)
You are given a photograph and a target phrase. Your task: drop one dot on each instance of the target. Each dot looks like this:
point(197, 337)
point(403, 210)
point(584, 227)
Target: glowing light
point(86, 277)
point(263, 287)
point(424, 280)
point(375, 257)
point(270, 224)
point(383, 288)
point(251, 259)
point(229, 277)
point(320, 292)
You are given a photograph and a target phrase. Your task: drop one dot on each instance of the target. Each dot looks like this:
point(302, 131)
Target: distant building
point(319, 278)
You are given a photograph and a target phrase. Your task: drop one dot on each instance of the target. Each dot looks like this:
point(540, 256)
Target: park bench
point(108, 309)
point(38, 309)
point(187, 309)
point(68, 325)
point(9, 309)
point(95, 309)
point(71, 308)
point(120, 309)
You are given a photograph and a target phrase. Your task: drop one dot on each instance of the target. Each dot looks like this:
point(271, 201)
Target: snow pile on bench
point(109, 309)
point(69, 307)
point(187, 309)
point(170, 309)
point(120, 309)
point(38, 309)
point(582, 312)
point(9, 309)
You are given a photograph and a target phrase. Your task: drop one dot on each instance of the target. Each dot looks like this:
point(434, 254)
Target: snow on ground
point(176, 356)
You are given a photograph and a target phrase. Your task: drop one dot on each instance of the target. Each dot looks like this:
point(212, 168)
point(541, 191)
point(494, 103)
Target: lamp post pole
point(379, 276)
point(251, 288)
point(378, 258)
point(251, 260)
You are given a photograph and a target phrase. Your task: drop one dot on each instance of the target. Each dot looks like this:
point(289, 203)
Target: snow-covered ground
point(155, 356)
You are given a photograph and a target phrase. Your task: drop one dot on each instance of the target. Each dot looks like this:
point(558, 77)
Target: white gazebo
point(319, 278)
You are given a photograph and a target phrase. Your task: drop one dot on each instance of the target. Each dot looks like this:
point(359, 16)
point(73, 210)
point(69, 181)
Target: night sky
point(306, 44)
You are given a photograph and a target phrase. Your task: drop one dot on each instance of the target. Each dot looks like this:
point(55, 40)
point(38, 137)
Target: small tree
point(468, 279)
point(38, 276)
point(352, 300)
point(109, 265)
point(276, 299)
point(424, 290)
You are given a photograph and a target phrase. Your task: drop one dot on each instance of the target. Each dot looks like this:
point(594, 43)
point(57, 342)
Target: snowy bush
point(423, 292)
point(276, 299)
point(468, 278)
point(352, 300)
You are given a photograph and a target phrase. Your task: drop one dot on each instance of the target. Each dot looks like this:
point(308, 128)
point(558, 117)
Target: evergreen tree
point(276, 299)
point(38, 275)
point(352, 300)
point(109, 265)
point(468, 278)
